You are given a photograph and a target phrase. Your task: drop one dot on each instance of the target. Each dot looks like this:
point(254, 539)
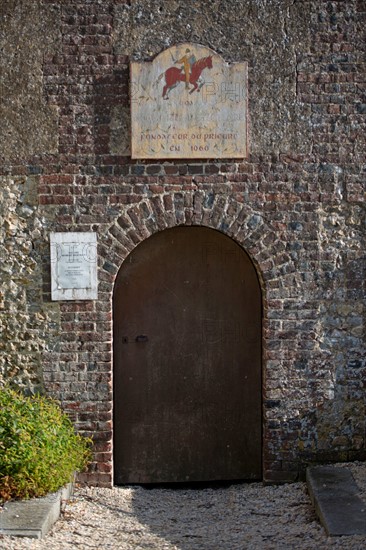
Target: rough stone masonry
point(296, 204)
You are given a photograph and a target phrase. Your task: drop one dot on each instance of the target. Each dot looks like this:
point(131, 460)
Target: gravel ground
point(238, 516)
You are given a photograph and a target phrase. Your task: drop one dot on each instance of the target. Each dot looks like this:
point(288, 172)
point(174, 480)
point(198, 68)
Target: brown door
point(187, 360)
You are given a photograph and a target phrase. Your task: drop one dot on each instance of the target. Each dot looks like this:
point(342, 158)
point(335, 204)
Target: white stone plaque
point(74, 266)
point(189, 103)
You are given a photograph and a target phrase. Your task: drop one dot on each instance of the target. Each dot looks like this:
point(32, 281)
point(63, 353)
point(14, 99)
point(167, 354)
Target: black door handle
point(141, 338)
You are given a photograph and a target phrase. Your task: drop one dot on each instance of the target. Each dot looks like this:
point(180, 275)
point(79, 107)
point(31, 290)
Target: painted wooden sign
point(189, 103)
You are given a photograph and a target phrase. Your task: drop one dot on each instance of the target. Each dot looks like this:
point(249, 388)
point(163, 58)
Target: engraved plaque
point(73, 266)
point(189, 103)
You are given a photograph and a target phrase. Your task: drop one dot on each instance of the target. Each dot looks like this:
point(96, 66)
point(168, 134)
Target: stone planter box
point(34, 517)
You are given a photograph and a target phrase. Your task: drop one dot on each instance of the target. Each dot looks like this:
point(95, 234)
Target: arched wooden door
point(187, 360)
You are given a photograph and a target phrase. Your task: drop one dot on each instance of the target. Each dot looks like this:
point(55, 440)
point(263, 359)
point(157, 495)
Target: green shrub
point(39, 449)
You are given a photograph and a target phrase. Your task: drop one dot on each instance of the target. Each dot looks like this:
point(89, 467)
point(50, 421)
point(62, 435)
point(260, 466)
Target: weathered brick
point(295, 205)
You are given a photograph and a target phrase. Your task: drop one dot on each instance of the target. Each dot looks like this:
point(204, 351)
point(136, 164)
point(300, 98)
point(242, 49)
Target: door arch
point(187, 360)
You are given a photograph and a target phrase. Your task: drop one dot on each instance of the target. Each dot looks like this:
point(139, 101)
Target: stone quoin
point(295, 202)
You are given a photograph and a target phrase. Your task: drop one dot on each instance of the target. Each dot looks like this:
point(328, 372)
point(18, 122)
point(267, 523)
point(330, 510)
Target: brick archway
point(217, 211)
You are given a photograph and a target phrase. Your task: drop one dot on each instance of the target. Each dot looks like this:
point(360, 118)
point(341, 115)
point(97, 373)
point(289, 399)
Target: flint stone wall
point(297, 204)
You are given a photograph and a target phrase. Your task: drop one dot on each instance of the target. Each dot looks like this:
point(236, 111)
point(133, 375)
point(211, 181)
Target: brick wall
point(296, 205)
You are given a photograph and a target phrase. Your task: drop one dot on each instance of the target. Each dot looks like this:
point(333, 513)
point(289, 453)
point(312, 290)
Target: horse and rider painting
point(190, 73)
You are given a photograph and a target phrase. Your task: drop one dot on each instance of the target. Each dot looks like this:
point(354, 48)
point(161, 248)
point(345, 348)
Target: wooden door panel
point(188, 390)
